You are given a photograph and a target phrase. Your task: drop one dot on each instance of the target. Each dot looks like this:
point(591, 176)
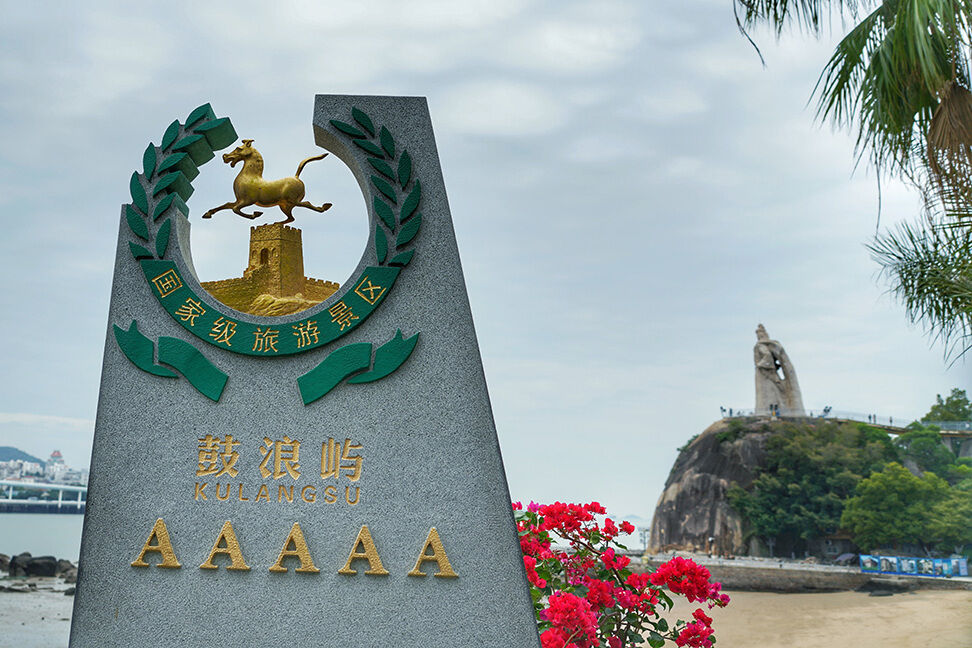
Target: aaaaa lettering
point(228, 550)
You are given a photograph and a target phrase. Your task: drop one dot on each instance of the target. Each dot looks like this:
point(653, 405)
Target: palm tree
point(900, 78)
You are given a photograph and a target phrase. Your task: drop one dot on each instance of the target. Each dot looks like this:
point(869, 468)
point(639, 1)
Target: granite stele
point(312, 464)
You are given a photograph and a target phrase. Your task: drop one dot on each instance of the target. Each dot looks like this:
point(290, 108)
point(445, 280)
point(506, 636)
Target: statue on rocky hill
point(777, 389)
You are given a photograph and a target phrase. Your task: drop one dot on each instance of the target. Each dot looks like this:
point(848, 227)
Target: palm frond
point(930, 270)
point(804, 14)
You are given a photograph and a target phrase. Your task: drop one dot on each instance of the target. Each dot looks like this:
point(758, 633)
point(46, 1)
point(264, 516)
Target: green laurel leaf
point(138, 251)
point(387, 142)
point(402, 259)
point(138, 193)
point(382, 167)
point(171, 133)
point(381, 244)
point(364, 120)
point(203, 112)
point(369, 147)
point(411, 202)
point(180, 162)
point(168, 201)
point(409, 230)
point(149, 160)
point(174, 182)
point(404, 169)
point(135, 223)
point(385, 188)
point(197, 147)
point(384, 211)
point(162, 238)
point(347, 129)
point(219, 133)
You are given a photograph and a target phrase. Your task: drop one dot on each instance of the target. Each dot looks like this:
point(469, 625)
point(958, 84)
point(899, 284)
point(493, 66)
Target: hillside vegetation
point(820, 478)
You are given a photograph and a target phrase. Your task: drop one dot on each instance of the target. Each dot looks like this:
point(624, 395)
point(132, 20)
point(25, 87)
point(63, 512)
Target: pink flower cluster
point(696, 634)
point(685, 577)
point(587, 597)
point(573, 624)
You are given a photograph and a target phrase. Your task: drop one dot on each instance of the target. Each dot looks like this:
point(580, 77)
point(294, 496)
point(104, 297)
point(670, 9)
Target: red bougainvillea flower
point(696, 635)
point(555, 638)
point(684, 576)
point(573, 615)
point(589, 596)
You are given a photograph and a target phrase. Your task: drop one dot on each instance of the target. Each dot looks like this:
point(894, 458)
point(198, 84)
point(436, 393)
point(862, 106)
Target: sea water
point(42, 534)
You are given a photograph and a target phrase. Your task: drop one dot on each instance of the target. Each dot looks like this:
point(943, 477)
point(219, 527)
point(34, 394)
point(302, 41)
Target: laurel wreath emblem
point(163, 188)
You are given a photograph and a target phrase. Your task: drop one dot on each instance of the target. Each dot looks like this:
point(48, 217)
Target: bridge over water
point(29, 504)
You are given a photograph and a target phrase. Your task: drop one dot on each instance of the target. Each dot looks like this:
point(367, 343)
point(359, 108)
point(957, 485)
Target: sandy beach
point(843, 620)
point(753, 620)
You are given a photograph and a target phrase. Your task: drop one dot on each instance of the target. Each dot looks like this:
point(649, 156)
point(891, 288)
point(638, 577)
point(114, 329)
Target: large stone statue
point(777, 389)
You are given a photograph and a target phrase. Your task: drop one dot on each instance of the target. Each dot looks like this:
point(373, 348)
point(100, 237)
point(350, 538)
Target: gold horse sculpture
point(251, 189)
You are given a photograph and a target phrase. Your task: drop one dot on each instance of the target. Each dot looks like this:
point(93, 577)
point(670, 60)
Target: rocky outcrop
point(693, 513)
point(25, 566)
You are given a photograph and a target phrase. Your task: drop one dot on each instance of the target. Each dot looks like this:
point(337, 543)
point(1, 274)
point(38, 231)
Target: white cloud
point(575, 46)
point(499, 108)
point(661, 104)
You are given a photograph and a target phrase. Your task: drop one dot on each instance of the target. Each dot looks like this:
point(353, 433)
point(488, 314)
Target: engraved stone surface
point(379, 465)
point(777, 389)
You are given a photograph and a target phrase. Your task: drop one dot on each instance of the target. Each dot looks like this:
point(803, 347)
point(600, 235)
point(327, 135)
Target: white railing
point(10, 485)
point(827, 413)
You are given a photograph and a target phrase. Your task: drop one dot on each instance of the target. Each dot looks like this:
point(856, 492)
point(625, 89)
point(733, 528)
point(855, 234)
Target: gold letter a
point(162, 546)
point(231, 548)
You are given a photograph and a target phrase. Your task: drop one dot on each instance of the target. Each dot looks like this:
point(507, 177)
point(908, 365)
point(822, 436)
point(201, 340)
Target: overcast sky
point(632, 193)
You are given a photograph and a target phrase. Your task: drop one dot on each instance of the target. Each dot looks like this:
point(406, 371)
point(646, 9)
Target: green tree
point(900, 79)
point(893, 506)
point(956, 407)
point(950, 526)
point(924, 446)
point(797, 495)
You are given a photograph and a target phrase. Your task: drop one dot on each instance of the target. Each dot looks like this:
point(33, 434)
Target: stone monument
point(777, 389)
point(328, 476)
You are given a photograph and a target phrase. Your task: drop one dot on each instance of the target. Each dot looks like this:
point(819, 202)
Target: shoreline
point(42, 619)
point(791, 577)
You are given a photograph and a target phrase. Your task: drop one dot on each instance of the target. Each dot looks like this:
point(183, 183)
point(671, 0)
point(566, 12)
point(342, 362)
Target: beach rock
point(693, 508)
point(18, 564)
point(70, 576)
point(4, 562)
point(19, 587)
point(63, 566)
point(70, 591)
point(42, 566)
